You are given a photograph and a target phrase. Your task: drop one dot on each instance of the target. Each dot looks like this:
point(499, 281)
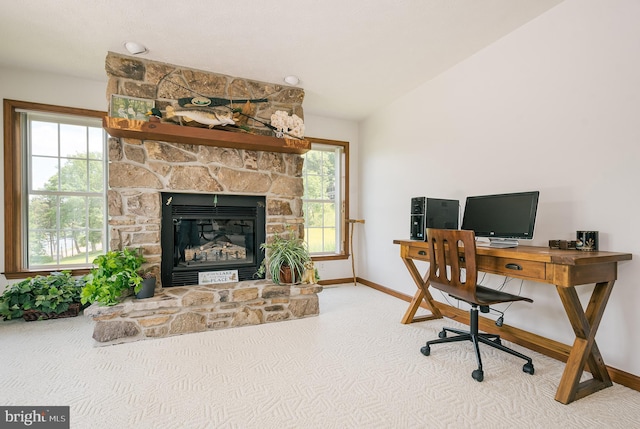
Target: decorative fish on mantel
point(206, 116)
point(201, 101)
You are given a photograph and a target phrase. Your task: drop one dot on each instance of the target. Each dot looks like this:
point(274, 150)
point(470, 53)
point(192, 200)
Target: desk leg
point(422, 294)
point(585, 351)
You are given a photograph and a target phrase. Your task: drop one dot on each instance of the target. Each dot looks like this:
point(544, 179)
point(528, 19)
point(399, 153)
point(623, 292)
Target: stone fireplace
point(141, 170)
point(145, 173)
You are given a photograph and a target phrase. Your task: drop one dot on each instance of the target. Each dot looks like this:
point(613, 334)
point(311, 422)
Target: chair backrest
point(446, 248)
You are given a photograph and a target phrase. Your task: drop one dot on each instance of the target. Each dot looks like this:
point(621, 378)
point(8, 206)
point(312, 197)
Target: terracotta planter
point(286, 277)
point(285, 274)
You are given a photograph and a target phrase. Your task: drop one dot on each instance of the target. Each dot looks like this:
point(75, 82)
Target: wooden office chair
point(451, 252)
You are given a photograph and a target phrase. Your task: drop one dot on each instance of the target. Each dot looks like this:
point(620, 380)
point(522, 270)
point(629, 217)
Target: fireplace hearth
point(211, 238)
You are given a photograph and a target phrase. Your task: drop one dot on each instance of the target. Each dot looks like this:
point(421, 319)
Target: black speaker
point(418, 218)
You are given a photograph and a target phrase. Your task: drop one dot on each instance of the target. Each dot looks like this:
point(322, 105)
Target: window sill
point(331, 257)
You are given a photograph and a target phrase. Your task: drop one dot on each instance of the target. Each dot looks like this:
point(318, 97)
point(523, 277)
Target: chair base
point(476, 338)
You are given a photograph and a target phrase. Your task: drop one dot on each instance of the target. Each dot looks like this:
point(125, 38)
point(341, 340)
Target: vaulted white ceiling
point(352, 56)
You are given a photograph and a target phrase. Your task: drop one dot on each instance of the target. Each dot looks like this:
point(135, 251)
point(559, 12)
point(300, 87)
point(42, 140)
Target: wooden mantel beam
point(143, 130)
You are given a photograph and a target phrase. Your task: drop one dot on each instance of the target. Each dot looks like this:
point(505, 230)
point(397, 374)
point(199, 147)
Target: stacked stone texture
point(166, 83)
point(189, 309)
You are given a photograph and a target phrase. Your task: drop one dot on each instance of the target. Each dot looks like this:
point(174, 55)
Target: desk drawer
point(419, 253)
point(519, 268)
point(512, 267)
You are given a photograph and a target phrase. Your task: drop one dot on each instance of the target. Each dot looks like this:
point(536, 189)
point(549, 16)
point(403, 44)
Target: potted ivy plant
point(285, 259)
point(42, 297)
point(114, 274)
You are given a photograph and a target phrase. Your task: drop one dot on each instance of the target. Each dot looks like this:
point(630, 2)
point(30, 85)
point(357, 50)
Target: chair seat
point(488, 296)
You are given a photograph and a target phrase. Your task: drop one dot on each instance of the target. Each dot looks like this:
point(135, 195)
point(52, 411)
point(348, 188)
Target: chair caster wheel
point(478, 375)
point(426, 350)
point(442, 334)
point(528, 368)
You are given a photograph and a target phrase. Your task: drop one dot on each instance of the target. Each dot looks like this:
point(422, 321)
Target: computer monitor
point(503, 218)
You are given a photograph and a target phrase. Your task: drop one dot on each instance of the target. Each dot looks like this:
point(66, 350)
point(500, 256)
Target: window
point(55, 188)
point(325, 200)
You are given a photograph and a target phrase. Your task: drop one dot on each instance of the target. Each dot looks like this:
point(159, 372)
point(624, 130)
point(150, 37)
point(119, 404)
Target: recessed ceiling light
point(135, 48)
point(292, 80)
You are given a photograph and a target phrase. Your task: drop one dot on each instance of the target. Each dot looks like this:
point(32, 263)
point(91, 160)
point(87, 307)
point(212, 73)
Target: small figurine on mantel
point(154, 115)
point(283, 124)
point(309, 275)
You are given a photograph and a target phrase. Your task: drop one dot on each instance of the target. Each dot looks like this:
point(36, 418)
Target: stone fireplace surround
point(139, 170)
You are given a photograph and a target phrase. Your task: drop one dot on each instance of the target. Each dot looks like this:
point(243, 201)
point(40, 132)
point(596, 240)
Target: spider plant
point(283, 254)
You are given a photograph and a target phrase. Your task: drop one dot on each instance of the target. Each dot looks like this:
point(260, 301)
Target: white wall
point(73, 92)
point(553, 106)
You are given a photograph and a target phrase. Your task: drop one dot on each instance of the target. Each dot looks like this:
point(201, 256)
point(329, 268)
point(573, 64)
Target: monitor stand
point(502, 243)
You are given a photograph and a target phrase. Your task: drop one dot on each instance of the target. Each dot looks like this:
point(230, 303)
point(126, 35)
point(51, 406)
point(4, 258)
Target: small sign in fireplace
point(217, 277)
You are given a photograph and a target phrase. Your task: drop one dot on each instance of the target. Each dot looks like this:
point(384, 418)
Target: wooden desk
point(563, 268)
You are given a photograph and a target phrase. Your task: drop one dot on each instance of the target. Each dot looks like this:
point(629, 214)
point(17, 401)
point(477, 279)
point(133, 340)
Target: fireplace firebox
point(211, 238)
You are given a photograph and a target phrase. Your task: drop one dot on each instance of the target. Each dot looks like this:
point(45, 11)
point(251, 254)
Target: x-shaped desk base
point(585, 351)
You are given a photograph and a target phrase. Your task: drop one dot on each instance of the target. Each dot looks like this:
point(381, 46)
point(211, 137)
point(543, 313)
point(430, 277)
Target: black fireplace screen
point(211, 238)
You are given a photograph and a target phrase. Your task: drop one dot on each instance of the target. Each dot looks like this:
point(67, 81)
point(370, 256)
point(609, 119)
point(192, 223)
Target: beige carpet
point(354, 366)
